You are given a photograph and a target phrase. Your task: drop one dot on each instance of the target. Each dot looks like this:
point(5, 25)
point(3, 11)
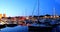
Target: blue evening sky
point(26, 7)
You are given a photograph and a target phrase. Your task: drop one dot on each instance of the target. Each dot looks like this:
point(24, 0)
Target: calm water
point(24, 29)
point(15, 29)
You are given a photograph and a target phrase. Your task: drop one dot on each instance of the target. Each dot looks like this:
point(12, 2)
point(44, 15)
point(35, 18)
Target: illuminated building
point(4, 15)
point(0, 15)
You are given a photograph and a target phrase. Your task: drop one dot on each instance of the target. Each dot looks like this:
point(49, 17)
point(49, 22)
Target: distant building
point(0, 15)
point(4, 15)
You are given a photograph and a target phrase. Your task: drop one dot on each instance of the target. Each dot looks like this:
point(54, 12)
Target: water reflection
point(15, 29)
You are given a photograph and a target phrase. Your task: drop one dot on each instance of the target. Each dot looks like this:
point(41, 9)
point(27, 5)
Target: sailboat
point(40, 28)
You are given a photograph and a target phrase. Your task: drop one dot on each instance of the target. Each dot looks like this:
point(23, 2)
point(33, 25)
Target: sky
point(26, 7)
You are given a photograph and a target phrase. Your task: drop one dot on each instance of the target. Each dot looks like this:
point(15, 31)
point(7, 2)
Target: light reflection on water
point(15, 29)
point(24, 29)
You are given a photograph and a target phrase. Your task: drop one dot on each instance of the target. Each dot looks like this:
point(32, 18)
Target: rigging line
point(34, 8)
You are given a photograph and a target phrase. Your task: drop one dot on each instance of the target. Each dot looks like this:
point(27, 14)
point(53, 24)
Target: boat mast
point(38, 12)
point(54, 12)
point(38, 9)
